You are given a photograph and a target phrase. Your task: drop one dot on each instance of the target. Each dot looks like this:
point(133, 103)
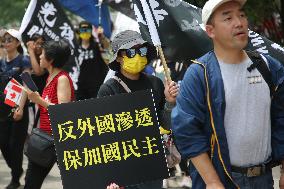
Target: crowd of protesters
point(44, 61)
point(227, 117)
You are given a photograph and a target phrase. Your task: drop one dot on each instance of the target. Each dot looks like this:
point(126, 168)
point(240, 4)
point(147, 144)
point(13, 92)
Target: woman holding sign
point(58, 89)
point(131, 55)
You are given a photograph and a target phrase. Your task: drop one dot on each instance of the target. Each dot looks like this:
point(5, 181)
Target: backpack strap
point(261, 65)
point(121, 83)
point(36, 119)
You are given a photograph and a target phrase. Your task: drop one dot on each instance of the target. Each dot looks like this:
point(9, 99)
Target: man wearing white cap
point(229, 121)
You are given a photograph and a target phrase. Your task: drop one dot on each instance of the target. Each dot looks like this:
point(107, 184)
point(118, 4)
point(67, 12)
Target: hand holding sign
point(27, 79)
point(33, 96)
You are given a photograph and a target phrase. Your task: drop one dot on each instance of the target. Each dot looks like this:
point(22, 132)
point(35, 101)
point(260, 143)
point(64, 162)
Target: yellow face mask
point(85, 35)
point(134, 65)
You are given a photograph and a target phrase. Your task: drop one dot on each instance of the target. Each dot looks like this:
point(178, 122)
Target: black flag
point(123, 6)
point(179, 25)
point(47, 18)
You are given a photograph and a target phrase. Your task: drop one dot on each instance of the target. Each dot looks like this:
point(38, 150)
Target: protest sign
point(111, 139)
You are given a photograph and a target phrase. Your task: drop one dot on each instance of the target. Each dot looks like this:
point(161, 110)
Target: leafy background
point(258, 11)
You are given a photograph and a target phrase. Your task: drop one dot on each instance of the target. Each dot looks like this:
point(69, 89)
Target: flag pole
point(164, 63)
point(155, 37)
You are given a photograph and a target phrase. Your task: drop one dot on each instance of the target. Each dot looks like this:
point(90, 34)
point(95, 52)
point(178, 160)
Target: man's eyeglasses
point(7, 40)
point(85, 30)
point(142, 51)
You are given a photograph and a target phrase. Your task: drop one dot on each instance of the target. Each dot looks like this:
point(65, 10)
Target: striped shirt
point(50, 94)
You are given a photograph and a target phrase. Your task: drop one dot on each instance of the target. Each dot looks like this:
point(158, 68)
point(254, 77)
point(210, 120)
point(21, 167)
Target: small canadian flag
point(10, 84)
point(13, 93)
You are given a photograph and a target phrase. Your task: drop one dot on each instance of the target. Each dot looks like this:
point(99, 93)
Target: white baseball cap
point(14, 33)
point(211, 5)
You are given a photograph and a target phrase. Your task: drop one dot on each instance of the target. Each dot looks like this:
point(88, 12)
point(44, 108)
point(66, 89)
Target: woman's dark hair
point(37, 36)
point(85, 24)
point(57, 51)
point(20, 49)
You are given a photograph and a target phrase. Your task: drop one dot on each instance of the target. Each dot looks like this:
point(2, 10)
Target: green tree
point(257, 10)
point(12, 12)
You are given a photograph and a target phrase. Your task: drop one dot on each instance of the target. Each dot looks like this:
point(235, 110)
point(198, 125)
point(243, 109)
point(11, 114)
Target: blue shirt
point(15, 67)
point(9, 70)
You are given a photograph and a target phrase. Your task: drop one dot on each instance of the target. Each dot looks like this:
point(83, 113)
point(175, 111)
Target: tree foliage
point(260, 15)
point(257, 10)
point(12, 12)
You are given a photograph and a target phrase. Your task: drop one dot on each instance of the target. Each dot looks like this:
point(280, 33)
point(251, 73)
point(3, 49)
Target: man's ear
point(210, 31)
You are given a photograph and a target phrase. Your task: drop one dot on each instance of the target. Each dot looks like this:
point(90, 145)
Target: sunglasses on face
point(7, 40)
point(85, 30)
point(142, 51)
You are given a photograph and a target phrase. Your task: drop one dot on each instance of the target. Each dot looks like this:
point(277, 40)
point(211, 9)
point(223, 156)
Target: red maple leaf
point(13, 95)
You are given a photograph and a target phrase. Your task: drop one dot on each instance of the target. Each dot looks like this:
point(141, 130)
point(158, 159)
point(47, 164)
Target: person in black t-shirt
point(92, 66)
point(131, 55)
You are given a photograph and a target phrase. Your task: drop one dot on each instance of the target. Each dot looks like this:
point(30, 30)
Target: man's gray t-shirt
point(247, 115)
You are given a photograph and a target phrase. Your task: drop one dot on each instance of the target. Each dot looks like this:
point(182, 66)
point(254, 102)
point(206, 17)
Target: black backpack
point(263, 69)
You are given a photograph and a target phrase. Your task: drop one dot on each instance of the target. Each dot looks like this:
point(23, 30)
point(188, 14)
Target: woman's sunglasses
point(85, 30)
point(142, 51)
point(7, 40)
